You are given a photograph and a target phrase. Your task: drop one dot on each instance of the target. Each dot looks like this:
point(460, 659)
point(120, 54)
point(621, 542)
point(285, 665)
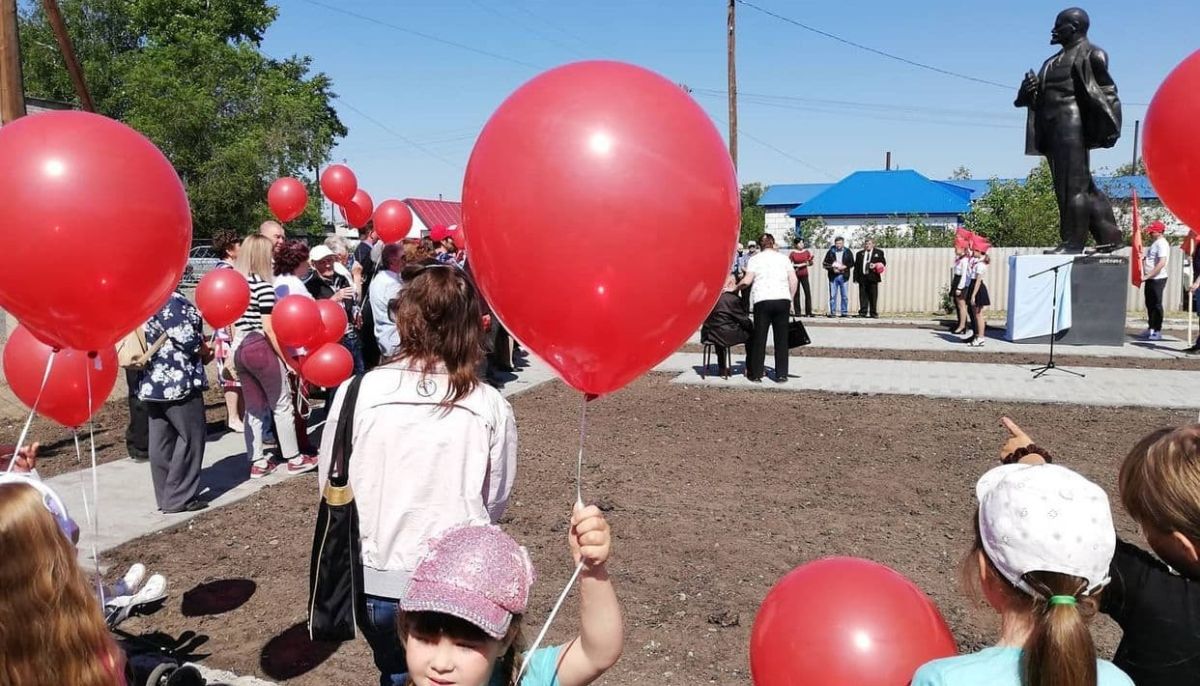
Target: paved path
point(861, 337)
point(968, 380)
point(127, 508)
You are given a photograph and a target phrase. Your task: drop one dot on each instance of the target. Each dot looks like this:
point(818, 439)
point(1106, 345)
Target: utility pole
point(12, 87)
point(68, 52)
point(1137, 129)
point(732, 83)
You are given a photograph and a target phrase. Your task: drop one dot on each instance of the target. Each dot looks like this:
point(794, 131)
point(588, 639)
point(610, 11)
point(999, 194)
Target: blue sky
point(813, 109)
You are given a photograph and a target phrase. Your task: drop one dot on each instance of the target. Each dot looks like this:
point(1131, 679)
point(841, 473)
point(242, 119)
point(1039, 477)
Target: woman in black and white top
point(260, 366)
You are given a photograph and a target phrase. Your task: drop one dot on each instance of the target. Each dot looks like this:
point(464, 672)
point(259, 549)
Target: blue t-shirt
point(997, 666)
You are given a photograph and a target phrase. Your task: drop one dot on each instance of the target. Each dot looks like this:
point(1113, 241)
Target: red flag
point(1135, 258)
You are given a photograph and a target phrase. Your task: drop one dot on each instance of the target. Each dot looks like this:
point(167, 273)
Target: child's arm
point(602, 630)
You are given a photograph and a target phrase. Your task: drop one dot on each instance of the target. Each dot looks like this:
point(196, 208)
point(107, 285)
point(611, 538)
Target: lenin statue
point(1073, 108)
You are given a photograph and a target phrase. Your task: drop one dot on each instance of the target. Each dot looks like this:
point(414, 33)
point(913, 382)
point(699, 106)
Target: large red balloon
point(333, 321)
point(338, 183)
point(1171, 141)
point(393, 220)
point(287, 198)
point(358, 211)
point(297, 321)
point(64, 397)
point(582, 159)
point(329, 366)
point(96, 228)
point(843, 620)
point(222, 296)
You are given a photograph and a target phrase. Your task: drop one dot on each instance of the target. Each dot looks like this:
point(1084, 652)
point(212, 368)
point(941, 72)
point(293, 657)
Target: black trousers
point(1154, 302)
point(771, 314)
point(137, 433)
point(868, 298)
point(807, 311)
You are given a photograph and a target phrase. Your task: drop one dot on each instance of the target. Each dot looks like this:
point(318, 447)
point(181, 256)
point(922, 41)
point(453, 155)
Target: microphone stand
point(1038, 372)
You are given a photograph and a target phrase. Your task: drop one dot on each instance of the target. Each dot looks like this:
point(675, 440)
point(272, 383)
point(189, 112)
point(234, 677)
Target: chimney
point(439, 197)
point(887, 163)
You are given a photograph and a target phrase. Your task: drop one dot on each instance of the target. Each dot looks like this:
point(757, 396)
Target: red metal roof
point(434, 212)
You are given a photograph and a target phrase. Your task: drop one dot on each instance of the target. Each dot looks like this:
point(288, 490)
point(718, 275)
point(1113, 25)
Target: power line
point(785, 153)
point(882, 53)
point(400, 136)
point(540, 34)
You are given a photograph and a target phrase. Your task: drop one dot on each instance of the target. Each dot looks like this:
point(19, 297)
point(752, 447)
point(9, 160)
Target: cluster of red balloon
point(115, 214)
point(1171, 141)
point(844, 620)
point(318, 327)
point(392, 218)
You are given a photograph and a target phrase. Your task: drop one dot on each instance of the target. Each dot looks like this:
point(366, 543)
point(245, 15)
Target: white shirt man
point(383, 289)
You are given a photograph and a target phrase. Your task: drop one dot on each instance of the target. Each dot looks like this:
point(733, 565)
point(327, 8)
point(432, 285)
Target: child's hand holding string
point(590, 536)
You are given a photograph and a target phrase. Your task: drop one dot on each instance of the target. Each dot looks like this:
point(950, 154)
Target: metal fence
point(917, 280)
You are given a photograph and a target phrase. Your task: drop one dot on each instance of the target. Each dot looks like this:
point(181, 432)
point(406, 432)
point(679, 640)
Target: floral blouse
point(175, 372)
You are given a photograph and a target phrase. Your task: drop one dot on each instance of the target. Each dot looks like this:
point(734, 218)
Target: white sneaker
point(977, 343)
point(129, 584)
point(1154, 336)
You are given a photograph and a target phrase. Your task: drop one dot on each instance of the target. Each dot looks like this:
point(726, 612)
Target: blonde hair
point(1060, 650)
point(1160, 481)
point(52, 629)
point(255, 258)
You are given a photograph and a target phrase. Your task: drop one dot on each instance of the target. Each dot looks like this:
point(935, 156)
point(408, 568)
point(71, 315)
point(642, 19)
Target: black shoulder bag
point(335, 575)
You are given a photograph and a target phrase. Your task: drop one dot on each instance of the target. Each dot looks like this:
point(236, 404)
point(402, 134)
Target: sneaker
point(301, 464)
point(976, 343)
point(129, 584)
point(260, 469)
point(1154, 336)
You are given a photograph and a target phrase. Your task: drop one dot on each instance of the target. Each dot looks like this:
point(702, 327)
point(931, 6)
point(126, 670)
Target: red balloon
point(110, 209)
point(393, 220)
point(297, 322)
point(585, 154)
point(1171, 141)
point(222, 296)
point(329, 366)
point(333, 321)
point(843, 620)
point(287, 198)
point(358, 211)
point(64, 397)
point(338, 184)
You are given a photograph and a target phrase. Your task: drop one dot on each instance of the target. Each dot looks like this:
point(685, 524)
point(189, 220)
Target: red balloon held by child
point(578, 160)
point(333, 321)
point(844, 620)
point(296, 321)
point(338, 184)
point(113, 212)
point(64, 398)
point(222, 296)
point(328, 366)
point(287, 198)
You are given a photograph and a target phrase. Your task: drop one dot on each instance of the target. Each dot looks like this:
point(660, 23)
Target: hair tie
point(1062, 600)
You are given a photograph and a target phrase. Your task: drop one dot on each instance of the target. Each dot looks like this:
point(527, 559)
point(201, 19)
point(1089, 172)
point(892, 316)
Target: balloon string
point(578, 567)
point(95, 521)
point(87, 513)
point(32, 411)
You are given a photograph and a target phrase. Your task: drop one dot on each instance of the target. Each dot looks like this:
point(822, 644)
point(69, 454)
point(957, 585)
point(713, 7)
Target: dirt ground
point(713, 494)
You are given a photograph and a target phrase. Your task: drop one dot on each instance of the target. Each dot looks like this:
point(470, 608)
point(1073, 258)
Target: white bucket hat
point(1045, 518)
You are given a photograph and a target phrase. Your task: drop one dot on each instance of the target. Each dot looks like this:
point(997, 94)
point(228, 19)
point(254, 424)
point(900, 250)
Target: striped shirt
point(262, 301)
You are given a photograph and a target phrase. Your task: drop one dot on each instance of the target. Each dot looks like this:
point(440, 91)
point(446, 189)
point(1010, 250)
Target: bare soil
point(713, 495)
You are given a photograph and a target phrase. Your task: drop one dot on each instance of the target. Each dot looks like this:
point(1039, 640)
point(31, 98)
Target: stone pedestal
point(1090, 299)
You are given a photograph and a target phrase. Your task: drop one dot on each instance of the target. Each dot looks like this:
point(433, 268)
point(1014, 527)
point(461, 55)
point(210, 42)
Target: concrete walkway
point(127, 507)
point(940, 340)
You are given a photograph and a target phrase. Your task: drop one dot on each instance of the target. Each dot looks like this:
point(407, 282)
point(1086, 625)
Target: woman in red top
point(802, 259)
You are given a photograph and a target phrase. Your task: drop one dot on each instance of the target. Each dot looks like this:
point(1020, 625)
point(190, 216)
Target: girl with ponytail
point(1044, 539)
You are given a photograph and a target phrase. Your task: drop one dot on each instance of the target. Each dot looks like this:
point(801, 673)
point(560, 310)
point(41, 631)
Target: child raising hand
point(462, 611)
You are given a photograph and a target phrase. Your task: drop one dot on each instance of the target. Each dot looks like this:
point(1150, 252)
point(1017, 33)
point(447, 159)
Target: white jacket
point(419, 468)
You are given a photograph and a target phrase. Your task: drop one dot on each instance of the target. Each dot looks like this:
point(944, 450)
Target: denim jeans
point(350, 342)
point(838, 289)
point(379, 628)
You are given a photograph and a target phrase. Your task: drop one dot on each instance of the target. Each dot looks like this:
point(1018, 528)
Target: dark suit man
point(867, 264)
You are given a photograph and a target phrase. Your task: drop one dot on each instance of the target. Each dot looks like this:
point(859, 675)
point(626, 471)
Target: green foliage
point(754, 218)
point(1131, 169)
point(917, 234)
point(190, 76)
point(1014, 214)
point(816, 232)
point(961, 173)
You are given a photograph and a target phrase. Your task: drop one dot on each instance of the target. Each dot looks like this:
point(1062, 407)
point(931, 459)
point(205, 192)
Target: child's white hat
point(1045, 518)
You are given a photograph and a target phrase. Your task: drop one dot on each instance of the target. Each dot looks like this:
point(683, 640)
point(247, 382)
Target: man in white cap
point(324, 283)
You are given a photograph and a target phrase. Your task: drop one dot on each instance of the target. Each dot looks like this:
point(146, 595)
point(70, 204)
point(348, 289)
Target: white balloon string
point(89, 519)
point(537, 643)
point(95, 522)
point(32, 411)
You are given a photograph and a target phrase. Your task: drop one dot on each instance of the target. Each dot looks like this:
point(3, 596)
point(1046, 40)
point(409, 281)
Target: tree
point(815, 232)
point(190, 76)
point(754, 217)
point(1132, 169)
point(961, 173)
point(1018, 214)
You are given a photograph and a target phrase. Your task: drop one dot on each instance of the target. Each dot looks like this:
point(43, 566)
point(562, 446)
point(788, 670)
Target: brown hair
point(437, 624)
point(1160, 481)
point(766, 241)
point(289, 255)
point(1060, 650)
point(51, 626)
point(439, 321)
point(223, 240)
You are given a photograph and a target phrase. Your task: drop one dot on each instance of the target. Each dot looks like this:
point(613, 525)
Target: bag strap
point(343, 440)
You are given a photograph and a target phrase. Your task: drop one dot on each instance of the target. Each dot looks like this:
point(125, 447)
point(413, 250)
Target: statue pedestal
point(1091, 299)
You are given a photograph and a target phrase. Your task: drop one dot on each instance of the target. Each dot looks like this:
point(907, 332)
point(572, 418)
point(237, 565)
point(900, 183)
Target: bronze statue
point(1073, 108)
